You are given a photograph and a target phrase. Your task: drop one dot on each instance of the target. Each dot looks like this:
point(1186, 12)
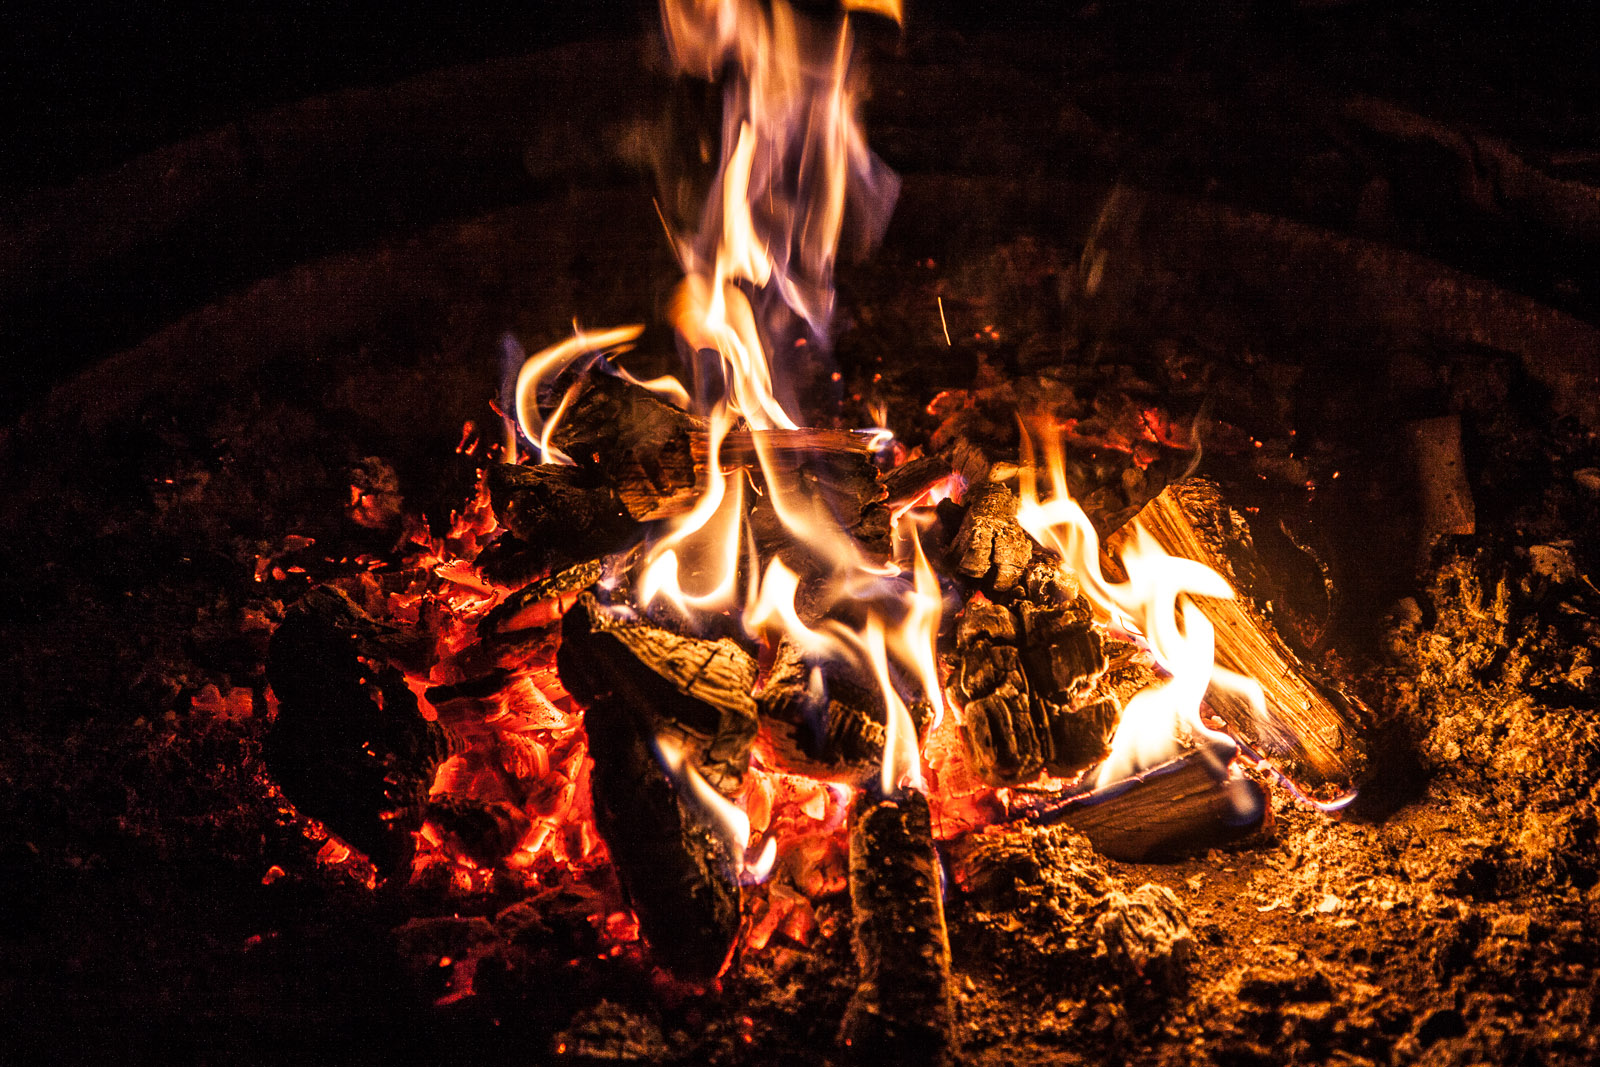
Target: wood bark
point(901, 1010)
point(695, 689)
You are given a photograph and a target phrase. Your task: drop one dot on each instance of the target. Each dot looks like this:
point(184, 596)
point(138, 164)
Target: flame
point(548, 365)
point(1151, 607)
point(793, 157)
point(730, 820)
point(717, 514)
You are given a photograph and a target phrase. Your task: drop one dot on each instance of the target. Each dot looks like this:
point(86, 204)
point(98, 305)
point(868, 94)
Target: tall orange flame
point(1152, 606)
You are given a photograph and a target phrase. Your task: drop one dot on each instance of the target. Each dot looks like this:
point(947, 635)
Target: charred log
point(538, 604)
point(1183, 806)
point(1025, 675)
point(349, 745)
point(634, 441)
point(825, 721)
point(696, 689)
point(680, 875)
point(486, 831)
point(990, 547)
point(901, 1011)
point(838, 485)
point(563, 510)
point(1310, 725)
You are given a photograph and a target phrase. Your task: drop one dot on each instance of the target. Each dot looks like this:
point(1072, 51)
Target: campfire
point(691, 666)
point(841, 643)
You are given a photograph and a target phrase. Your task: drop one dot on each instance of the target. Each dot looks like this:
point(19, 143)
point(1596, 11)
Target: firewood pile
point(1039, 681)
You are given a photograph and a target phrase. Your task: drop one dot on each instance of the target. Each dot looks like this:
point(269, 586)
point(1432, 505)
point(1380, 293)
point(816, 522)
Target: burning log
point(679, 873)
point(1185, 805)
point(1025, 674)
point(1311, 726)
point(990, 547)
point(1120, 446)
point(824, 721)
point(650, 458)
point(559, 509)
point(349, 745)
point(835, 478)
point(689, 686)
point(635, 441)
point(901, 1010)
point(538, 604)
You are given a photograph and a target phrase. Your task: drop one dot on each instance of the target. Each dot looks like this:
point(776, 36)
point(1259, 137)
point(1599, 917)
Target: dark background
point(1179, 92)
point(86, 86)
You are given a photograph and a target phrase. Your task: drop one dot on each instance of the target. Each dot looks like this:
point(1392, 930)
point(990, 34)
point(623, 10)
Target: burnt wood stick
point(565, 512)
point(990, 547)
point(679, 874)
point(1180, 807)
point(1314, 729)
point(901, 1010)
point(695, 689)
point(635, 442)
point(739, 447)
point(349, 745)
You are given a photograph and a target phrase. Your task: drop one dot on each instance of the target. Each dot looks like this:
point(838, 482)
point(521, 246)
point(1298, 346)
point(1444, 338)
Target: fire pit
point(339, 733)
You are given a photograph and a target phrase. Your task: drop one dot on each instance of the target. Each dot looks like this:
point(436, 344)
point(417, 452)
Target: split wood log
point(1310, 726)
point(901, 1010)
point(824, 720)
point(349, 745)
point(679, 874)
point(635, 442)
point(1183, 806)
point(694, 689)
